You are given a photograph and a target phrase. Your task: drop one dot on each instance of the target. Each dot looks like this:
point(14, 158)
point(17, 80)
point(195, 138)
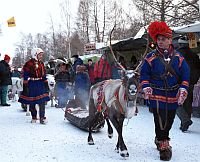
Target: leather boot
point(157, 143)
point(165, 150)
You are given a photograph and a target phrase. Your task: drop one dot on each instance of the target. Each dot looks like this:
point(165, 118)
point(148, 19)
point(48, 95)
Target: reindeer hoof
point(110, 135)
point(116, 149)
point(28, 114)
point(124, 153)
point(90, 142)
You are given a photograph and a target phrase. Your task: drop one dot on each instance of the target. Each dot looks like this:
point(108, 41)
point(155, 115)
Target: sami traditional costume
point(164, 84)
point(35, 77)
point(35, 86)
point(164, 80)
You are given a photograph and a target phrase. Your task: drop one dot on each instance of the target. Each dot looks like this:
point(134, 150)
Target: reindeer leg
point(118, 124)
point(37, 110)
point(51, 97)
point(28, 111)
point(92, 110)
point(117, 146)
point(110, 129)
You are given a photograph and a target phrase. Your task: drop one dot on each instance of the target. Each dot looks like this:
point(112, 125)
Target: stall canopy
point(129, 44)
point(194, 28)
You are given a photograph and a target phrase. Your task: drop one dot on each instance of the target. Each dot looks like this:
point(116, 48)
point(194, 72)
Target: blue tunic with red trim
point(34, 76)
point(164, 90)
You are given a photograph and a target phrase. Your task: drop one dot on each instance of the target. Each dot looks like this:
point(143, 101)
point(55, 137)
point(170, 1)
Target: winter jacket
point(91, 73)
point(16, 73)
point(79, 61)
point(115, 71)
point(62, 77)
point(164, 90)
point(82, 82)
point(102, 70)
point(194, 63)
point(5, 74)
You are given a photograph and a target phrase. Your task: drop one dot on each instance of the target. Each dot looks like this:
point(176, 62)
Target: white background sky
point(32, 16)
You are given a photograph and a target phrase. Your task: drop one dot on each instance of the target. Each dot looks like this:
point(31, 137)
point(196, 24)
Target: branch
point(192, 4)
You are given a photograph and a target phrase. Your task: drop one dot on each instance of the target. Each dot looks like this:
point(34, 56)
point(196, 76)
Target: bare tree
point(83, 20)
point(174, 12)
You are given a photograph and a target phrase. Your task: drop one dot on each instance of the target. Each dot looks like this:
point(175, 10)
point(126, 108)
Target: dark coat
point(78, 61)
point(194, 63)
point(5, 74)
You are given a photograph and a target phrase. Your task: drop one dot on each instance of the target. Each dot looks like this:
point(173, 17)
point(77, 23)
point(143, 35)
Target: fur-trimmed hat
point(6, 57)
point(35, 52)
point(159, 28)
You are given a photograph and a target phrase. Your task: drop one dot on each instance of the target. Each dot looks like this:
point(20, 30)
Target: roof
point(195, 27)
point(129, 44)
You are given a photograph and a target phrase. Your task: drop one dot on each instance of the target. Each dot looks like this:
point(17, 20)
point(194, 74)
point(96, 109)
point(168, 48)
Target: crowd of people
point(167, 79)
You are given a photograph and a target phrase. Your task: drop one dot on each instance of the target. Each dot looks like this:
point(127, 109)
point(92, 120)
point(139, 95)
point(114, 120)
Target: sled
point(80, 118)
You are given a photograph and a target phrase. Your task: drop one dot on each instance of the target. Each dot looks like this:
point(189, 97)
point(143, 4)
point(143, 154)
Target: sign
point(11, 22)
point(89, 47)
point(192, 40)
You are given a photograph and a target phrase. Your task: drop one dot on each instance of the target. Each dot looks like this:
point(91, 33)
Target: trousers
point(34, 111)
point(163, 119)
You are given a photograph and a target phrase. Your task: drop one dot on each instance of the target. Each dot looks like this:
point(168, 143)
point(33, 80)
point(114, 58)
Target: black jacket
point(194, 63)
point(5, 74)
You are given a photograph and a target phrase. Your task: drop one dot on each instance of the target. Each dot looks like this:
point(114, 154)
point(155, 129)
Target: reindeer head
point(131, 81)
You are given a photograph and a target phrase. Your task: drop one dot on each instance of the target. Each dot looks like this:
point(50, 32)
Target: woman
point(35, 85)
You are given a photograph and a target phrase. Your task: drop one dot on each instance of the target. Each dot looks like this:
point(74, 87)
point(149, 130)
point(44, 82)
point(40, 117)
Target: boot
point(34, 120)
point(184, 127)
point(43, 120)
point(157, 143)
point(165, 150)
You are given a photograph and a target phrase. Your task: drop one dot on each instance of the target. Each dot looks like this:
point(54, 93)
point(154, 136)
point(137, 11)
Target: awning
point(194, 28)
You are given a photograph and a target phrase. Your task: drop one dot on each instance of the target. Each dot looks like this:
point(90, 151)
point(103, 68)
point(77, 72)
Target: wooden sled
point(80, 118)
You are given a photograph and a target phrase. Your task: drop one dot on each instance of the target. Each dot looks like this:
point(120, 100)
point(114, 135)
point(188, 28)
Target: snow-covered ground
point(59, 141)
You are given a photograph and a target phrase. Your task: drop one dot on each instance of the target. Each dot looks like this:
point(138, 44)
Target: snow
point(59, 141)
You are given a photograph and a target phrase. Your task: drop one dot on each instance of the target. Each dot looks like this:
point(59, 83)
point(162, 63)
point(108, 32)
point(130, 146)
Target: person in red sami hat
point(5, 79)
point(164, 79)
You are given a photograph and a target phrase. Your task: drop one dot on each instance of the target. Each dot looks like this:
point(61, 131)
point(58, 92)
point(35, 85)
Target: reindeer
point(109, 98)
point(15, 88)
point(51, 83)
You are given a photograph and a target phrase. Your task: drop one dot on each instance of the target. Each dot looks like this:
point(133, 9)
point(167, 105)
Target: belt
point(35, 78)
point(175, 87)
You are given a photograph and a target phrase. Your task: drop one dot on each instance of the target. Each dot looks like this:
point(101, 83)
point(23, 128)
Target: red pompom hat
point(6, 57)
point(159, 28)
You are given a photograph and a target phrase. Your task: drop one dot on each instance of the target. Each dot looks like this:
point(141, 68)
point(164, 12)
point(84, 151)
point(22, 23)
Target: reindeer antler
point(144, 54)
point(111, 50)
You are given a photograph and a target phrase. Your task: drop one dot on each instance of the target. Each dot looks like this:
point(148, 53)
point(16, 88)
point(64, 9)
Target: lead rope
point(166, 112)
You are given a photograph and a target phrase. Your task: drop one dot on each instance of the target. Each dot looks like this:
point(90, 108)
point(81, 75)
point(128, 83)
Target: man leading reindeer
point(164, 80)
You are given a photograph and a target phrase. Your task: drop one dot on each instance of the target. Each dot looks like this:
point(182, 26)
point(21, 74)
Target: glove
point(46, 86)
point(25, 89)
point(181, 95)
point(147, 92)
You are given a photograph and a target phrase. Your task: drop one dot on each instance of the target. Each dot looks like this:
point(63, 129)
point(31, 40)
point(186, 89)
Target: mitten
point(147, 92)
point(181, 95)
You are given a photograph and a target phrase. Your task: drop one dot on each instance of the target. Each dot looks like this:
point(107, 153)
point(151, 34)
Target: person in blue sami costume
point(164, 80)
point(35, 85)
